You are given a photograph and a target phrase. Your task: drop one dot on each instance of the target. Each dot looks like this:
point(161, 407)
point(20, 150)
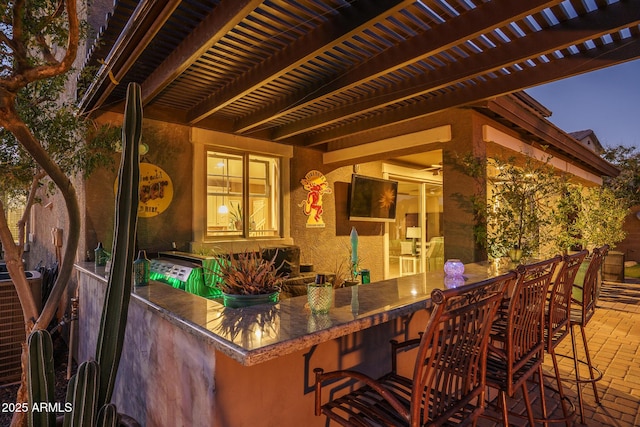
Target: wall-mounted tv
point(372, 199)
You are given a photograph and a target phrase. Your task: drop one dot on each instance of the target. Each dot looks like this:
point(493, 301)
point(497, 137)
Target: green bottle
point(141, 269)
point(100, 255)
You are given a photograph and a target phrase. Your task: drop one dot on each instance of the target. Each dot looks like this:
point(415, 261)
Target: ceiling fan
point(435, 168)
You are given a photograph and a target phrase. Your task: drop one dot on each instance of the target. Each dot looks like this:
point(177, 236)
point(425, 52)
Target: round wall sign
point(156, 190)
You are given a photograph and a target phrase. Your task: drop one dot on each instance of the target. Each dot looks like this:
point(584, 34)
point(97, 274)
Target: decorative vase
point(141, 269)
point(237, 301)
point(320, 295)
point(454, 268)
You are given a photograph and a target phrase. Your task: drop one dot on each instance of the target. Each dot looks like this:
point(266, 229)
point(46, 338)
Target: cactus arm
point(41, 378)
point(108, 416)
point(114, 313)
point(85, 395)
point(71, 390)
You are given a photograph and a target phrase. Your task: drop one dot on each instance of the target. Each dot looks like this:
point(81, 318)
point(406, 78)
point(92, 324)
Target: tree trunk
point(10, 121)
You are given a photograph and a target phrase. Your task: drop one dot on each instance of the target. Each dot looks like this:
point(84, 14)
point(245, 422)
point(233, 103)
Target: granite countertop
point(256, 334)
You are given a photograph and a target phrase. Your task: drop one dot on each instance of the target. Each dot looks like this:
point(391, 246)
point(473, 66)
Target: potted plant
point(236, 216)
point(248, 279)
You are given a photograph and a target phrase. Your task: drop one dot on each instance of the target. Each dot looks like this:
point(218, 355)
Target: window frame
point(245, 233)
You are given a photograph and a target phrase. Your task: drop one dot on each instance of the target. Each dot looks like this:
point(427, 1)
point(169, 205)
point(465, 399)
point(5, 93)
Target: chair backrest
point(406, 248)
point(524, 332)
point(559, 307)
point(451, 360)
point(588, 302)
point(435, 254)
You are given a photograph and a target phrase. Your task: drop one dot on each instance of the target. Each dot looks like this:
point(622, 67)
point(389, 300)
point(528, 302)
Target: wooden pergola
point(323, 73)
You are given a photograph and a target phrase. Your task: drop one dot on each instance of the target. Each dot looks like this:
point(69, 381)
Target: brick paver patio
point(614, 342)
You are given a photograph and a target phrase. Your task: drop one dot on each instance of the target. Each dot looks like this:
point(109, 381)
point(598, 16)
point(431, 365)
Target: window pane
point(224, 194)
point(231, 211)
point(264, 197)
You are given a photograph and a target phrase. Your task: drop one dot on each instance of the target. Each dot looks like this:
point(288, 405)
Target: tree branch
point(56, 14)
point(13, 257)
point(35, 184)
point(19, 45)
point(45, 49)
point(47, 71)
point(10, 120)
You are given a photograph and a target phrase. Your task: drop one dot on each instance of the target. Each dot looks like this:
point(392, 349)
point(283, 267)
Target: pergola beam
point(586, 61)
point(215, 26)
point(343, 26)
point(464, 27)
point(561, 36)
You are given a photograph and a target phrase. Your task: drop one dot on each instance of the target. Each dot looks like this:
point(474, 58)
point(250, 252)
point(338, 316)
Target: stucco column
point(459, 188)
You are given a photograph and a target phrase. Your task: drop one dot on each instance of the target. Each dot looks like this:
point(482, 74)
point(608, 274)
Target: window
point(243, 195)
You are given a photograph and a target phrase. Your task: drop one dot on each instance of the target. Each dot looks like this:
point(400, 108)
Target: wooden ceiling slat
point(341, 27)
point(221, 20)
point(257, 67)
point(576, 64)
point(467, 26)
point(542, 42)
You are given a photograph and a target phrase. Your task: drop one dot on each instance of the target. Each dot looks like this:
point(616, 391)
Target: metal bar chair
point(448, 382)
point(583, 306)
point(557, 318)
point(516, 342)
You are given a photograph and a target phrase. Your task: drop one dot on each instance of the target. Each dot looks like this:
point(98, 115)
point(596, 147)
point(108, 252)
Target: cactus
point(40, 377)
point(116, 303)
point(83, 393)
point(90, 390)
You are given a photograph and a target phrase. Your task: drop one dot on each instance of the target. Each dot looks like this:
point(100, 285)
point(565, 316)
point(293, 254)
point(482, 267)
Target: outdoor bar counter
point(190, 361)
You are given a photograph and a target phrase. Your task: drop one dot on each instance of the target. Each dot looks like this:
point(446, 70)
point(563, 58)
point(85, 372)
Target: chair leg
point(591, 370)
point(556, 371)
point(527, 403)
point(576, 365)
point(543, 401)
point(505, 411)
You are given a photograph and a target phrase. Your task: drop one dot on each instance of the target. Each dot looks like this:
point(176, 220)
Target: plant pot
point(515, 255)
point(237, 301)
point(349, 283)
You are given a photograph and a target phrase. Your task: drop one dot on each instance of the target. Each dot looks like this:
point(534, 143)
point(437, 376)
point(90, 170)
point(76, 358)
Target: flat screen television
point(372, 199)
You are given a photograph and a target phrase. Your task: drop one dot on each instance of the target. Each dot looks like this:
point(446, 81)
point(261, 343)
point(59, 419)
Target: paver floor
point(614, 342)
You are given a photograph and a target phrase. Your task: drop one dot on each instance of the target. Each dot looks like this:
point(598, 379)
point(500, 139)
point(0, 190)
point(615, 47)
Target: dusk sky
point(606, 101)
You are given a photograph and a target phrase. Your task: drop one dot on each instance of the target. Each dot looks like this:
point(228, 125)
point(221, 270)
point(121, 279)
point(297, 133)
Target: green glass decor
point(141, 269)
point(100, 255)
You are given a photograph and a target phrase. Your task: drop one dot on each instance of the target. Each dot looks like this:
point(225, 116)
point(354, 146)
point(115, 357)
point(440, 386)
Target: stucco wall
point(169, 148)
point(170, 377)
point(323, 247)
point(631, 244)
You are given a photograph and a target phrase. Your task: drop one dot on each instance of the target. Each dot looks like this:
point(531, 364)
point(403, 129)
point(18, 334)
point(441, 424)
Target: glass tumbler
point(320, 297)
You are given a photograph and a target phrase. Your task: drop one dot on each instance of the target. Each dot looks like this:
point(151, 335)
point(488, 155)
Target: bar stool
point(516, 341)
point(557, 317)
point(448, 382)
point(583, 306)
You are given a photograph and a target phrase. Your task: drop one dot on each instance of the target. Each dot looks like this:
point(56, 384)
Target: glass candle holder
point(320, 295)
point(451, 282)
point(454, 268)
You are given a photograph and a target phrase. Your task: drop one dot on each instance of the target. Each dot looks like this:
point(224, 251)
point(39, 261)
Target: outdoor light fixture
point(414, 233)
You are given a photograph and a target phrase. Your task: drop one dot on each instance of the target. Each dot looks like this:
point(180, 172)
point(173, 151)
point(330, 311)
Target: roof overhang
point(311, 72)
